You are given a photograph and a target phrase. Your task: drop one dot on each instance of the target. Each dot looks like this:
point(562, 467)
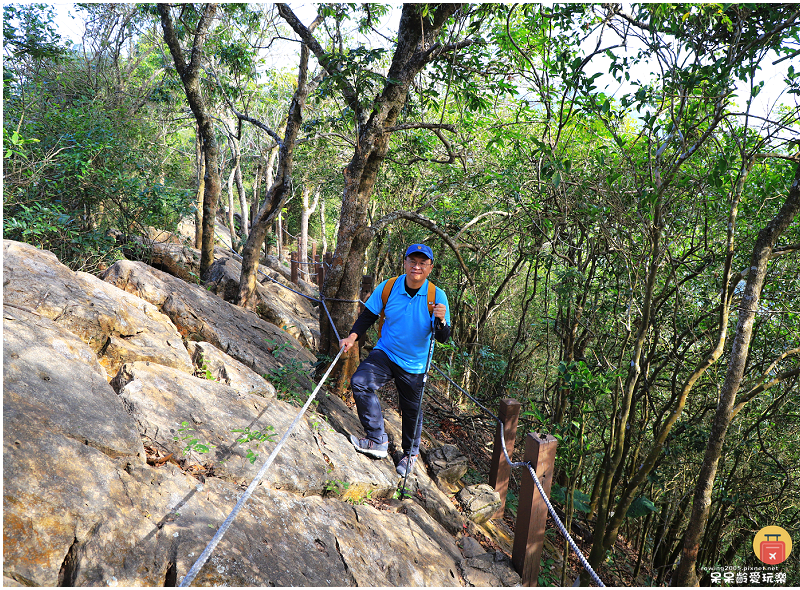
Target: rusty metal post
point(540, 451)
point(367, 283)
point(500, 470)
point(325, 264)
point(294, 266)
point(320, 274)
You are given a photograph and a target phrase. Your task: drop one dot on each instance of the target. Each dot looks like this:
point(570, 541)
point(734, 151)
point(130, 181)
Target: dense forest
point(613, 212)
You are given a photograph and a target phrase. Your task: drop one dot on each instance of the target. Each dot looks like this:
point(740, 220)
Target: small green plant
point(254, 437)
point(359, 501)
point(286, 380)
point(321, 425)
point(336, 487)
point(276, 349)
point(191, 443)
point(546, 577)
point(512, 502)
point(205, 373)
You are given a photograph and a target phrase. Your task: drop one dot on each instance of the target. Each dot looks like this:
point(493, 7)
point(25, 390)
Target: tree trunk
point(278, 191)
point(306, 212)
point(231, 223)
point(686, 574)
point(256, 193)
point(200, 160)
point(190, 77)
point(416, 46)
point(240, 189)
point(323, 231)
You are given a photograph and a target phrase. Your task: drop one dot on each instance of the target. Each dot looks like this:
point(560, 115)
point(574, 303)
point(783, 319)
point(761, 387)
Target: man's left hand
point(439, 311)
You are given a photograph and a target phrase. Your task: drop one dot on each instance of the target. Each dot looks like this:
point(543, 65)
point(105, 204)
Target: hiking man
point(400, 354)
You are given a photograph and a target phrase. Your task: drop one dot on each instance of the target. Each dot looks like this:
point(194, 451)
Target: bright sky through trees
point(767, 101)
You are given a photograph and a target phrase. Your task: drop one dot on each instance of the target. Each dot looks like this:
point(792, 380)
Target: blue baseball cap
point(419, 249)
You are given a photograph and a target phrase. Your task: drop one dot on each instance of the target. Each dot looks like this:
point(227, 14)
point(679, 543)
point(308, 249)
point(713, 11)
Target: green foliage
point(276, 349)
point(253, 438)
point(336, 487)
point(580, 501)
point(287, 381)
point(547, 574)
point(641, 506)
point(50, 227)
point(191, 443)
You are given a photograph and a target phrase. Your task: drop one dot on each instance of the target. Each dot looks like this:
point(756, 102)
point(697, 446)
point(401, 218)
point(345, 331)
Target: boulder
point(282, 540)
point(447, 463)
point(202, 316)
point(480, 502)
point(186, 228)
point(490, 569)
point(87, 504)
point(176, 259)
point(215, 365)
point(117, 326)
point(51, 379)
point(278, 305)
point(471, 548)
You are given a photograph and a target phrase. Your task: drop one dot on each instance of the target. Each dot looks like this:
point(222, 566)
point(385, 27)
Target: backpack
point(387, 289)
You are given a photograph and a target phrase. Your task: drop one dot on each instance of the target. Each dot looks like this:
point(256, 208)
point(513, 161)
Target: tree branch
point(200, 37)
point(324, 59)
point(746, 397)
point(404, 126)
point(477, 219)
point(447, 146)
point(427, 223)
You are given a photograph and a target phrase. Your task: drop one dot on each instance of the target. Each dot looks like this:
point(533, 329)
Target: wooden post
point(500, 470)
point(532, 511)
point(294, 266)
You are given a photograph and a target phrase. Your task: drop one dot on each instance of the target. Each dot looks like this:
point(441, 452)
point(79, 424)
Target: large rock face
point(203, 316)
point(96, 491)
point(280, 306)
point(119, 328)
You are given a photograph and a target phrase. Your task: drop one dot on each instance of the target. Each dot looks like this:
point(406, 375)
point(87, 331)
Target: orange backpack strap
point(387, 290)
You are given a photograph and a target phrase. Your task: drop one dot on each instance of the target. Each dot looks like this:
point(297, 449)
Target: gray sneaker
point(406, 465)
point(370, 447)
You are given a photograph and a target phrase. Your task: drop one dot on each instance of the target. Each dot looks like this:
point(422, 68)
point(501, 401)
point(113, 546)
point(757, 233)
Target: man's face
point(418, 266)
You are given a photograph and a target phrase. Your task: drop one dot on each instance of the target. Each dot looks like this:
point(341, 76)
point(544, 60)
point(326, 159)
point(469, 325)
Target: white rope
point(251, 488)
point(536, 481)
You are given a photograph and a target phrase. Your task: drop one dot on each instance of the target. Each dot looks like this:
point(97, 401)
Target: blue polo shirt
point(406, 333)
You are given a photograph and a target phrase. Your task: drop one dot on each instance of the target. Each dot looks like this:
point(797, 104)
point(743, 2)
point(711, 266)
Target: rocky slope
point(125, 400)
